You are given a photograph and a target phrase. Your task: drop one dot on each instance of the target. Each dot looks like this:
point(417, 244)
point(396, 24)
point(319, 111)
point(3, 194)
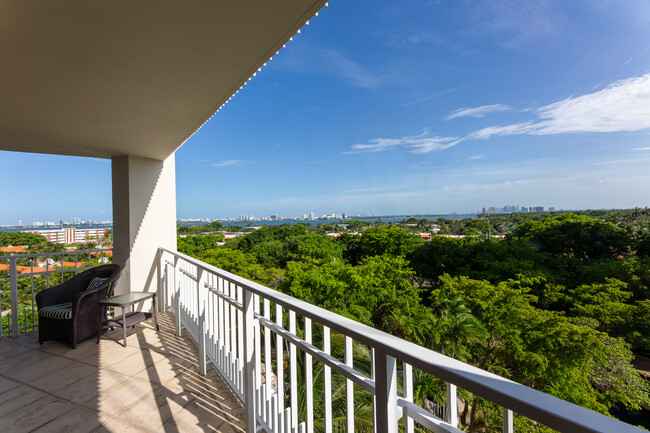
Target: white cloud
point(623, 106)
point(477, 157)
point(231, 162)
point(477, 111)
point(331, 62)
point(642, 149)
point(418, 144)
point(517, 23)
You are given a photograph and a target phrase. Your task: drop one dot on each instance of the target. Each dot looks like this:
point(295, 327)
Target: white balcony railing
point(262, 341)
point(55, 268)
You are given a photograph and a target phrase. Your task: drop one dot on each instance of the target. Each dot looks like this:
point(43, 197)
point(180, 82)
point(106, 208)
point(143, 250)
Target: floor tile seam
point(9, 389)
point(55, 395)
point(13, 341)
point(63, 357)
point(4, 416)
point(104, 425)
point(66, 385)
point(82, 360)
point(130, 375)
point(51, 420)
point(151, 394)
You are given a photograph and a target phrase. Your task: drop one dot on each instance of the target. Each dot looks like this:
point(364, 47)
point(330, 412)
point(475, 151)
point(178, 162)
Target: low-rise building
point(70, 235)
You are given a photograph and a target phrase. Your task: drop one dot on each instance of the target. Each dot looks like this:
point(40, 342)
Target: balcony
point(233, 355)
point(130, 82)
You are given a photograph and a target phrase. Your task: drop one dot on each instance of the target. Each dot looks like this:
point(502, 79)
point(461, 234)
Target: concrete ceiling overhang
point(111, 78)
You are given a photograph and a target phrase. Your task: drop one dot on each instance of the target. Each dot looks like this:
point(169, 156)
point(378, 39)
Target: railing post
point(161, 274)
point(349, 388)
point(249, 364)
point(177, 292)
point(452, 405)
point(327, 381)
point(508, 421)
point(13, 285)
point(309, 380)
point(200, 298)
point(407, 379)
point(386, 392)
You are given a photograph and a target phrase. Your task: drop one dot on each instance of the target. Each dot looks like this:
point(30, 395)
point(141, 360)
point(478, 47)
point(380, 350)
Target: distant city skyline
point(390, 107)
point(311, 216)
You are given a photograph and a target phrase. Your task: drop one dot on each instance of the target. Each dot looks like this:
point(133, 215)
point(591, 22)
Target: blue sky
point(384, 107)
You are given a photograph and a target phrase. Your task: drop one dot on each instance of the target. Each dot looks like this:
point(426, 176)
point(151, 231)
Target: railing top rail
point(536, 405)
point(62, 253)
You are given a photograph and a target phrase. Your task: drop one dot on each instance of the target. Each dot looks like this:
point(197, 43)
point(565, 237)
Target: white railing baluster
point(309, 381)
point(451, 414)
point(201, 309)
point(268, 369)
point(258, 346)
point(407, 379)
point(162, 268)
point(13, 292)
point(249, 358)
point(508, 421)
point(240, 331)
point(349, 387)
point(222, 327)
point(287, 420)
point(275, 416)
point(279, 360)
point(233, 336)
point(386, 393)
point(210, 318)
point(293, 372)
point(373, 374)
point(327, 381)
point(226, 330)
point(177, 289)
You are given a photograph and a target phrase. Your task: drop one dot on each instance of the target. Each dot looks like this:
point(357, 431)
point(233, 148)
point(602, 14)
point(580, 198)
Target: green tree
point(388, 239)
point(198, 244)
point(546, 350)
point(314, 247)
point(21, 238)
point(578, 236)
point(456, 326)
point(605, 303)
point(242, 264)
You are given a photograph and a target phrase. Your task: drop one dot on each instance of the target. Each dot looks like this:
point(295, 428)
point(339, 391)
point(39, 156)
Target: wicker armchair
point(70, 310)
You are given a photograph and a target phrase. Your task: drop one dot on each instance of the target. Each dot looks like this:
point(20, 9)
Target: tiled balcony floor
point(153, 385)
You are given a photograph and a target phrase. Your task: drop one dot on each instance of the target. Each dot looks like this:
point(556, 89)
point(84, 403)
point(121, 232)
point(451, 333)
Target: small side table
point(127, 318)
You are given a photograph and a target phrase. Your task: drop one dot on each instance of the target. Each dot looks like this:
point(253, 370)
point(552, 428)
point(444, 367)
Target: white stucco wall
point(144, 218)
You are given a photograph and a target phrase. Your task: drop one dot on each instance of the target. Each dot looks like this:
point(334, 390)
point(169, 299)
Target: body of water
point(316, 222)
point(26, 228)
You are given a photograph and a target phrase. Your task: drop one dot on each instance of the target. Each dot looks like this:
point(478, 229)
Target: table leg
point(155, 318)
point(124, 324)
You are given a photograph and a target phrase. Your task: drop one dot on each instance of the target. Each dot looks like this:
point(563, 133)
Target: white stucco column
point(144, 218)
